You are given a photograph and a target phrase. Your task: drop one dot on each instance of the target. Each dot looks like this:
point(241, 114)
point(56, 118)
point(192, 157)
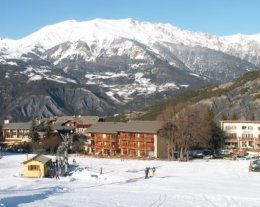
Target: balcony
point(246, 139)
point(109, 139)
point(137, 139)
point(231, 140)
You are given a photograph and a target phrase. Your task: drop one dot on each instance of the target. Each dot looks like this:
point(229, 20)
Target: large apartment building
point(131, 139)
point(242, 134)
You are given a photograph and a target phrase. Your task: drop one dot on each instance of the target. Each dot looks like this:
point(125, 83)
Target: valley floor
point(223, 183)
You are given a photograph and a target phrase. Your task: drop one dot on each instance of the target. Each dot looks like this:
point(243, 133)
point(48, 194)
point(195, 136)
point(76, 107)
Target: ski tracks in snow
point(159, 201)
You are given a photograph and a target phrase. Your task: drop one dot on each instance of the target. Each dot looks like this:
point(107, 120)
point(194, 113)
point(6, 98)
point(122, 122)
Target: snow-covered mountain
point(103, 33)
point(130, 62)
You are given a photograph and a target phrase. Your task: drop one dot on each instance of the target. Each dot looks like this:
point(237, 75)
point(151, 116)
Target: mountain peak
point(103, 31)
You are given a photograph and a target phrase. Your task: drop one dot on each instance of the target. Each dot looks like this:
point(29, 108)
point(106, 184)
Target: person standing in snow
point(74, 162)
point(146, 172)
point(153, 170)
point(57, 175)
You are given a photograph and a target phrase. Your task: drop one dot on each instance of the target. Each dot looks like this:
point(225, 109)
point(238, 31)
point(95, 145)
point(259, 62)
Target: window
point(259, 128)
point(243, 144)
point(228, 128)
point(33, 167)
point(233, 135)
point(243, 127)
point(250, 127)
point(251, 144)
point(247, 136)
point(250, 136)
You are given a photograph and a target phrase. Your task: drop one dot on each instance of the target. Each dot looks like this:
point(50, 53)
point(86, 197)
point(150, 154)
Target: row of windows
point(247, 135)
point(247, 127)
point(243, 128)
point(234, 135)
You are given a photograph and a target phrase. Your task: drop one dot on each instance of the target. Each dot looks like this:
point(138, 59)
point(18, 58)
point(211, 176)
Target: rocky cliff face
point(237, 100)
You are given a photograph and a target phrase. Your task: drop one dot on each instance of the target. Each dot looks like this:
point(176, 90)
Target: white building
point(242, 134)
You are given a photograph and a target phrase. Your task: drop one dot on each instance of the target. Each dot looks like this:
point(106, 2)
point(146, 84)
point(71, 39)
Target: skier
point(146, 172)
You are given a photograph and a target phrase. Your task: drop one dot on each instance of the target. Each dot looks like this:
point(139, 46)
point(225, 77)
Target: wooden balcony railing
point(135, 139)
point(110, 139)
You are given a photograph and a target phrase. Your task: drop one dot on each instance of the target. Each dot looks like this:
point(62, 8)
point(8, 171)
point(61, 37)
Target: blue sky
point(19, 18)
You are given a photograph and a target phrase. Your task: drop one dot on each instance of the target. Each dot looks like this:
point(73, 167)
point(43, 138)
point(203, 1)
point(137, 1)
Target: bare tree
point(51, 140)
point(168, 129)
point(193, 129)
point(185, 127)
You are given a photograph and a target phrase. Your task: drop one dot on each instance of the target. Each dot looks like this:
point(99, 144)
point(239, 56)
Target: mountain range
point(105, 67)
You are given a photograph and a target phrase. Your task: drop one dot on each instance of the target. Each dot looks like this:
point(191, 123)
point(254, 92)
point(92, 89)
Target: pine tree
point(34, 136)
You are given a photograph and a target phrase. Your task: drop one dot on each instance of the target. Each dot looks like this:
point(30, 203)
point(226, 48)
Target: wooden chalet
point(79, 123)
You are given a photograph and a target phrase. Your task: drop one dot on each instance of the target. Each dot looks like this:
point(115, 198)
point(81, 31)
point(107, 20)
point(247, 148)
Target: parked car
point(255, 165)
point(227, 155)
point(201, 153)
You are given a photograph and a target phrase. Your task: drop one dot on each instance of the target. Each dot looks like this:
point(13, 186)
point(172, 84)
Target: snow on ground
point(223, 183)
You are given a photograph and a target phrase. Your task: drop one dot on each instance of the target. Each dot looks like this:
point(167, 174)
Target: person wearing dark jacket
point(146, 172)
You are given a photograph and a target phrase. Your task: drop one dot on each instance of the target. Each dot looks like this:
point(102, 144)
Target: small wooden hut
point(37, 167)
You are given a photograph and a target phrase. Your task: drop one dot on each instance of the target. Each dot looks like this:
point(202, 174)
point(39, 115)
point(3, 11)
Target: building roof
point(132, 126)
point(87, 120)
point(59, 127)
point(41, 158)
point(18, 125)
point(141, 127)
point(105, 127)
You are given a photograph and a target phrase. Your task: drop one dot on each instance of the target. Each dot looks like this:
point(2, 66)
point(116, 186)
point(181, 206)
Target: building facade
point(242, 134)
point(103, 138)
point(16, 133)
point(139, 139)
point(132, 139)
